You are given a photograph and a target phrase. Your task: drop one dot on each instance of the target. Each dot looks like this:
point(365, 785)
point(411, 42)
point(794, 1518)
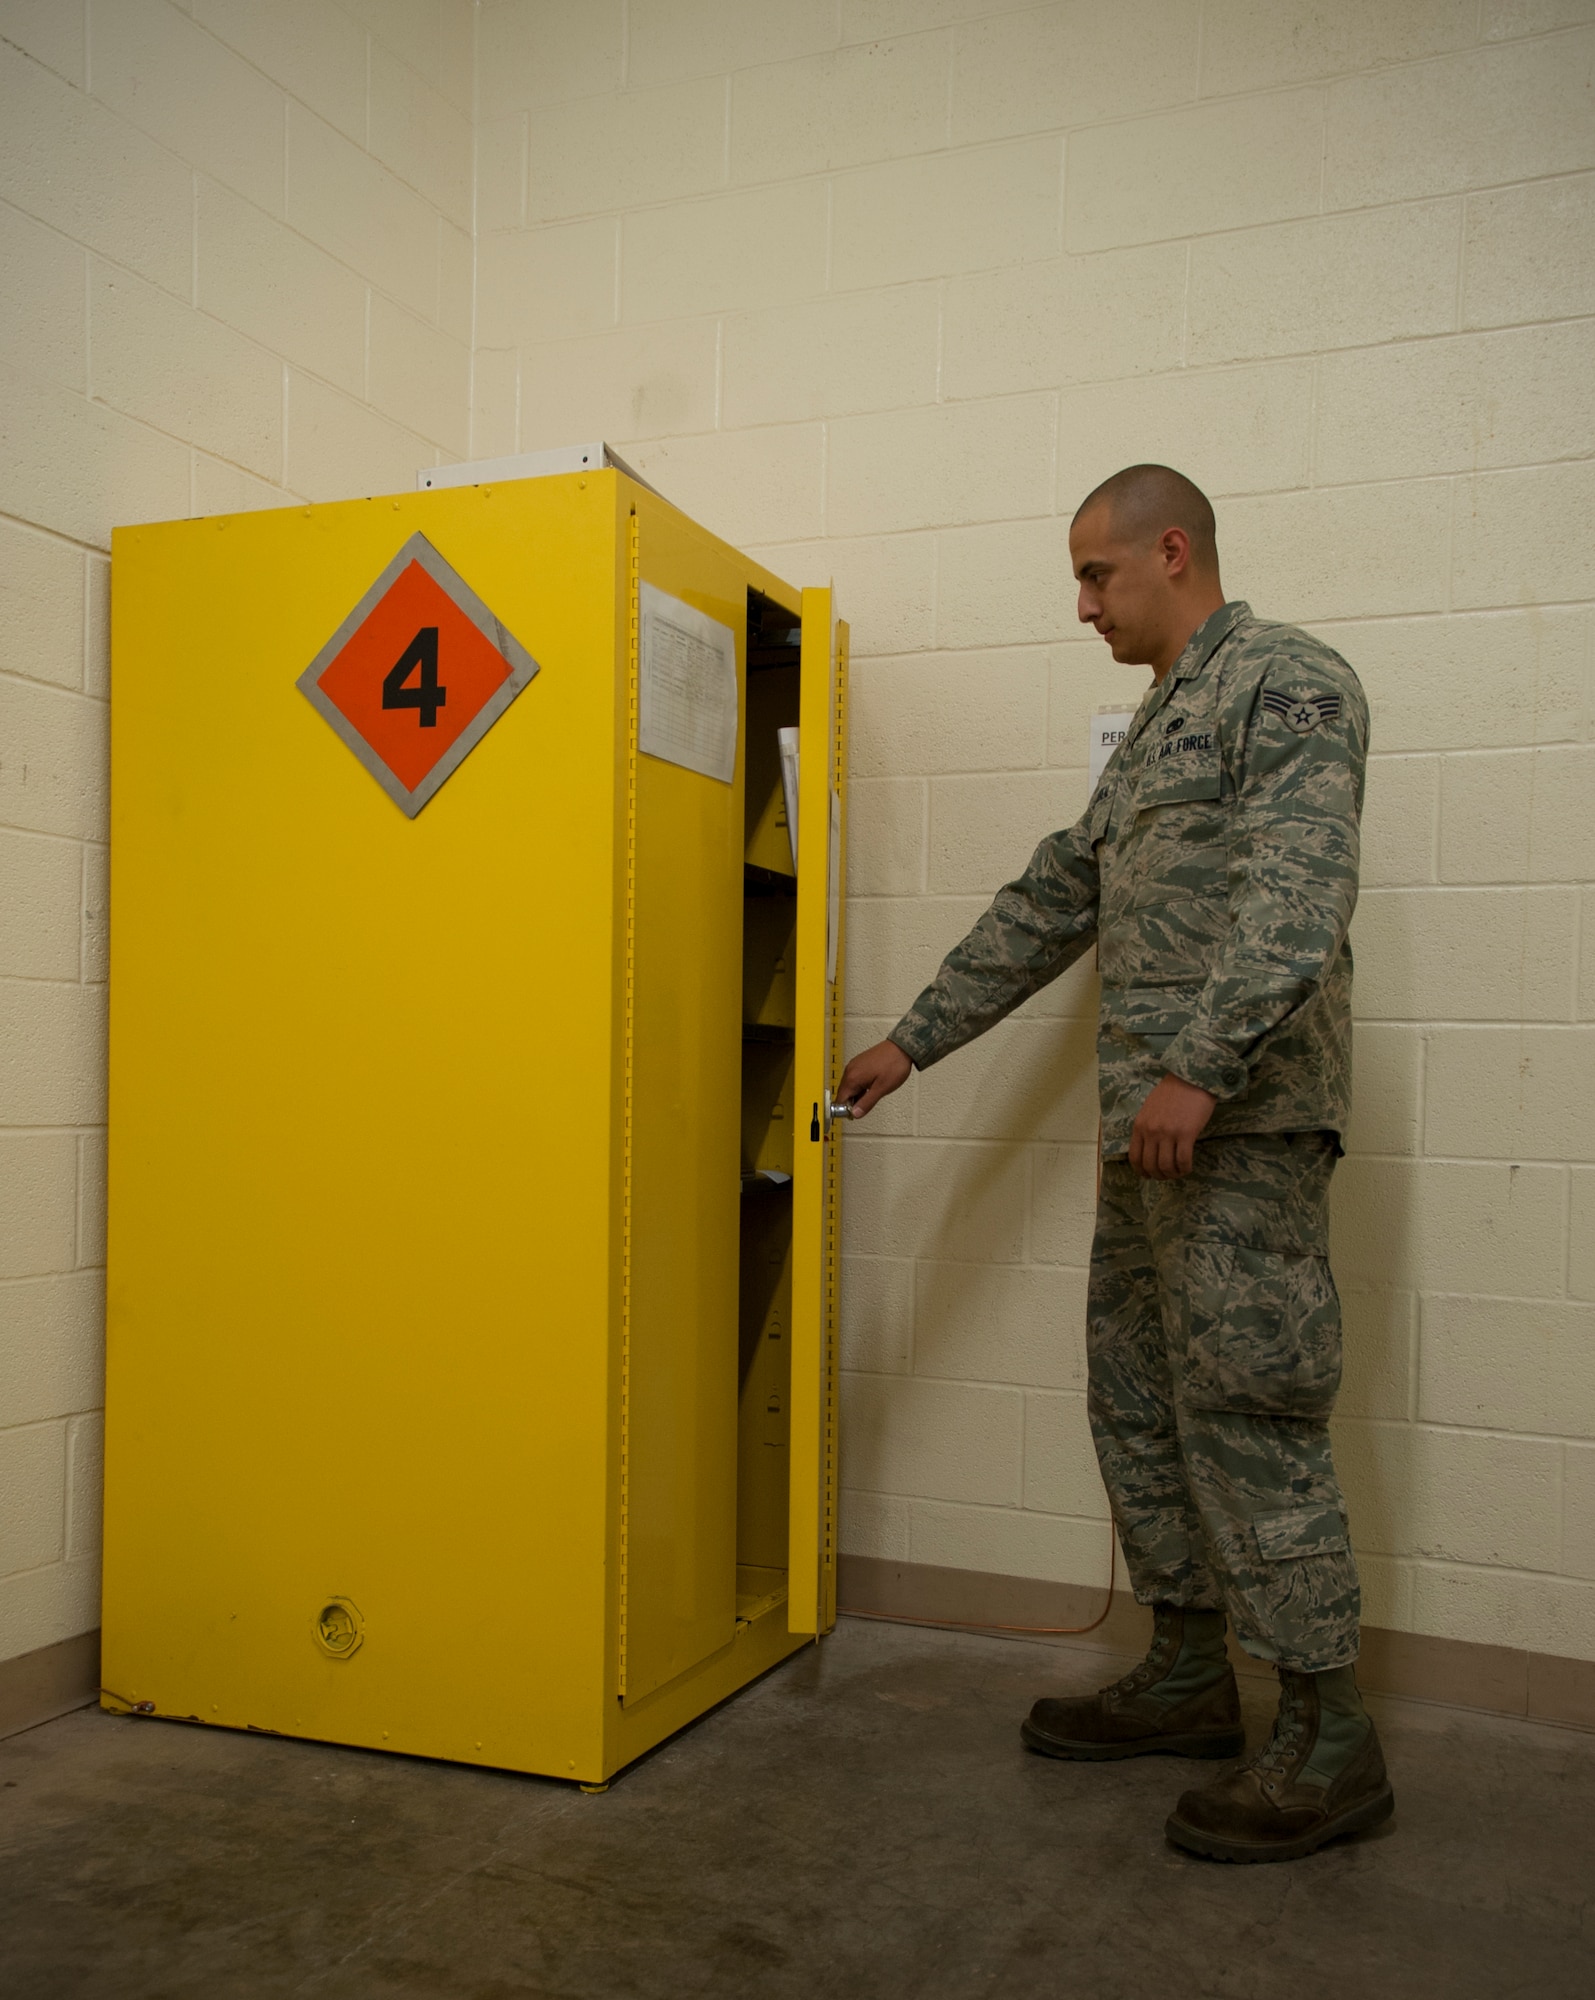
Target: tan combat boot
point(1320, 1775)
point(1181, 1701)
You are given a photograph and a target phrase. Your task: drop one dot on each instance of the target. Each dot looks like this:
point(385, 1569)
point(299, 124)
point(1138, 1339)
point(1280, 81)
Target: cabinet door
point(682, 1140)
point(816, 1189)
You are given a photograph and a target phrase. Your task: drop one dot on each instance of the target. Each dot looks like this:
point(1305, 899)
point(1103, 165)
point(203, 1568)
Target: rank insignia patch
point(1305, 714)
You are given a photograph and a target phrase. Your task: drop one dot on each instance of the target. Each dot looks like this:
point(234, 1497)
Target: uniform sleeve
point(1036, 928)
point(1292, 871)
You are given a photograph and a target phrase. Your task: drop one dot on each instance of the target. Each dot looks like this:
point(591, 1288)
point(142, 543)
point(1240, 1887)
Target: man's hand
point(1167, 1127)
point(872, 1075)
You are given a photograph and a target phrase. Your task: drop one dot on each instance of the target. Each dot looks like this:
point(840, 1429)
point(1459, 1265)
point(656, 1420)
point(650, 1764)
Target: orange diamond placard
point(416, 675)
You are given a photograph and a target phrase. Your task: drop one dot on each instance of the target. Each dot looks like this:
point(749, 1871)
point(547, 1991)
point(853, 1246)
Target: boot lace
point(1157, 1662)
point(1289, 1733)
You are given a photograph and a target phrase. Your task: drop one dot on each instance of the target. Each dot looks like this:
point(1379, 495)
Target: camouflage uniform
point(1216, 865)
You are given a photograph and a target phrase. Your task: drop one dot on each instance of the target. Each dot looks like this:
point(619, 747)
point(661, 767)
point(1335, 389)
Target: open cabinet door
point(816, 1179)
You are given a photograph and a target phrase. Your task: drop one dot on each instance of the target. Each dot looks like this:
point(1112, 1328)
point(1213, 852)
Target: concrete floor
point(861, 1823)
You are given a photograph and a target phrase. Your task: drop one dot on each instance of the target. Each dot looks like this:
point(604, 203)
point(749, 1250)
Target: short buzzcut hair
point(1143, 500)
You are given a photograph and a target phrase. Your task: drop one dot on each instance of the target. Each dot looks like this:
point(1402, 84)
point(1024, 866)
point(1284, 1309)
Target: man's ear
point(1174, 546)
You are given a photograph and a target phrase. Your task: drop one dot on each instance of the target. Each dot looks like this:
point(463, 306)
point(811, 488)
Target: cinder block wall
point(236, 241)
point(882, 287)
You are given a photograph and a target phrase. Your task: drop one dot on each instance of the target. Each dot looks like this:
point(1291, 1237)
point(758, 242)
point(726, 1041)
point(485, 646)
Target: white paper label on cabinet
point(687, 691)
point(1109, 727)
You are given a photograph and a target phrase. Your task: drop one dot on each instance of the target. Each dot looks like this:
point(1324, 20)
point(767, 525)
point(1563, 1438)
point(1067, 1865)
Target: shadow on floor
point(861, 1823)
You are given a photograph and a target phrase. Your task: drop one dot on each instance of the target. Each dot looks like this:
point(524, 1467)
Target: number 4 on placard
point(427, 695)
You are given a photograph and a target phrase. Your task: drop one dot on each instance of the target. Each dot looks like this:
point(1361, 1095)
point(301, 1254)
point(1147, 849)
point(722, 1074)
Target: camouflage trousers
point(1214, 1359)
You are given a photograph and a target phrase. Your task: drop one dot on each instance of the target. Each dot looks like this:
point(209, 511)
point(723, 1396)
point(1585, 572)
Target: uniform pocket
point(1263, 1332)
point(1188, 781)
point(1302, 1590)
point(1178, 762)
point(1291, 1532)
point(1180, 870)
point(1178, 848)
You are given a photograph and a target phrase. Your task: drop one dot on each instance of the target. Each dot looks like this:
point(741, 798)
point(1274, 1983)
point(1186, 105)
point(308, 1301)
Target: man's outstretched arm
point(1036, 927)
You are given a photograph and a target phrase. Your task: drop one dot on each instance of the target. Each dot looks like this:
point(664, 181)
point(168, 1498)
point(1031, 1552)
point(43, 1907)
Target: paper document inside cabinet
point(687, 692)
point(788, 740)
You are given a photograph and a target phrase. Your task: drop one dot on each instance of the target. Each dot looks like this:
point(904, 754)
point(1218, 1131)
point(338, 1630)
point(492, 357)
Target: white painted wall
point(879, 288)
point(236, 245)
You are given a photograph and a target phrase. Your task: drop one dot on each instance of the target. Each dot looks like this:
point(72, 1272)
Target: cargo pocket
point(1263, 1332)
point(1291, 1532)
point(1304, 1599)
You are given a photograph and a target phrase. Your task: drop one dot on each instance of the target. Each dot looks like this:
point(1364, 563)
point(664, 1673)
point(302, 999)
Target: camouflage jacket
point(1216, 866)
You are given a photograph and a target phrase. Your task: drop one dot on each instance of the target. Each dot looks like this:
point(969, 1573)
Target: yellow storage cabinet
point(473, 1197)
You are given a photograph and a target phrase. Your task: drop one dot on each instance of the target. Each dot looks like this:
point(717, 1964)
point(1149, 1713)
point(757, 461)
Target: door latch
point(834, 1109)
